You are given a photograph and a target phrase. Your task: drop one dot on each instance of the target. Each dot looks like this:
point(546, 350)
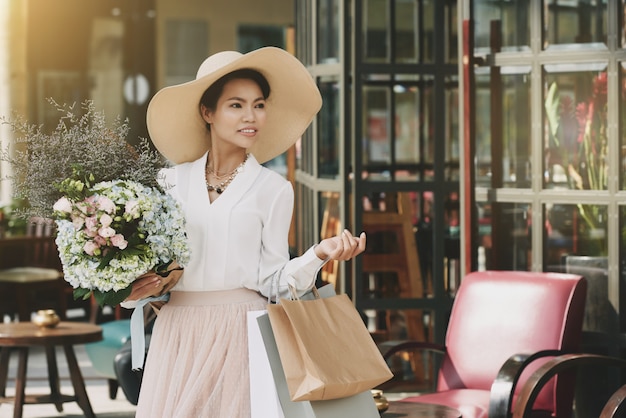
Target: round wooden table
point(20, 336)
point(399, 409)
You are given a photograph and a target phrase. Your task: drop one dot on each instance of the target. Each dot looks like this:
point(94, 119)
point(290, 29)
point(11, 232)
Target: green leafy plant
point(578, 142)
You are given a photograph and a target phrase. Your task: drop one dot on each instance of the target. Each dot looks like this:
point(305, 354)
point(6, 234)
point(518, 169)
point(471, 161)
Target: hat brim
point(179, 133)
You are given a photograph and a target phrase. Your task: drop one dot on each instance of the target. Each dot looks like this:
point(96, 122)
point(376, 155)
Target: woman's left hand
point(341, 247)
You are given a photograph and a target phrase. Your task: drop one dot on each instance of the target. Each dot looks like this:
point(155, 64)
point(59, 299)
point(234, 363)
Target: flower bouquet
point(114, 231)
point(114, 221)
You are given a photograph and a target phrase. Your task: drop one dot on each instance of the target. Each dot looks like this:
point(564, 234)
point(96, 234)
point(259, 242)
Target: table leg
point(77, 381)
point(4, 369)
point(20, 382)
point(53, 378)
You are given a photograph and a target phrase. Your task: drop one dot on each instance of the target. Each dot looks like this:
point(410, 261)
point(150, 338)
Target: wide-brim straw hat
point(179, 133)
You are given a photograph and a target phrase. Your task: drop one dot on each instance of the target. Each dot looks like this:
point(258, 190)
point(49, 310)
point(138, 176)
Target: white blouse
point(239, 239)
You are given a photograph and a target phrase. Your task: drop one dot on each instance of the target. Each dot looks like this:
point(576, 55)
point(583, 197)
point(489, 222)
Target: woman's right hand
point(145, 286)
point(152, 284)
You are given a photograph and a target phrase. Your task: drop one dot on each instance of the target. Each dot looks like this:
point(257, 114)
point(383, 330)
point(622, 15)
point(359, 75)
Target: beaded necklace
point(219, 188)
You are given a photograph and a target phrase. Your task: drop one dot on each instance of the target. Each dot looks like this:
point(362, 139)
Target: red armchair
point(503, 326)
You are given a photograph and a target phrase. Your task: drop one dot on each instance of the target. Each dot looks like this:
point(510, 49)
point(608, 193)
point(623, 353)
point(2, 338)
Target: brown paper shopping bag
point(325, 349)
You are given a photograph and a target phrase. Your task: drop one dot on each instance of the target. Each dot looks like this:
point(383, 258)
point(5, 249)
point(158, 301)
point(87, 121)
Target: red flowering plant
point(578, 143)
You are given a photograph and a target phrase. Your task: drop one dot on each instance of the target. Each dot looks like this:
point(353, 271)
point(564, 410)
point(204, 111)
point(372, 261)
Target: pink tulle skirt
point(197, 364)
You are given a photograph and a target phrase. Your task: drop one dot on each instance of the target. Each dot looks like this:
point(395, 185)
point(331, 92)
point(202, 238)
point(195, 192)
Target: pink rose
point(91, 223)
point(106, 232)
point(90, 247)
point(63, 205)
point(105, 204)
point(106, 220)
point(99, 240)
point(118, 241)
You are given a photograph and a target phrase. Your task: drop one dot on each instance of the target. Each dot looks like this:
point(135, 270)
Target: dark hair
point(212, 94)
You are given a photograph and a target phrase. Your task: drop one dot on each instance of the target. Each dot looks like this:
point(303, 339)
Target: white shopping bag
point(264, 401)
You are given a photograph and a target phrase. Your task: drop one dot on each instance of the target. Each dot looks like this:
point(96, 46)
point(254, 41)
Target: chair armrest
point(615, 406)
point(503, 387)
point(389, 348)
point(543, 374)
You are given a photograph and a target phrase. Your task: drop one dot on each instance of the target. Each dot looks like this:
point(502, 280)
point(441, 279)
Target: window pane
point(574, 229)
point(398, 261)
point(376, 147)
point(406, 43)
point(412, 369)
point(330, 226)
point(407, 124)
point(329, 141)
point(515, 135)
point(376, 36)
point(623, 23)
point(504, 231)
point(575, 22)
point(451, 134)
point(514, 21)
point(452, 243)
point(328, 31)
point(428, 31)
point(483, 130)
point(622, 124)
point(452, 49)
point(575, 123)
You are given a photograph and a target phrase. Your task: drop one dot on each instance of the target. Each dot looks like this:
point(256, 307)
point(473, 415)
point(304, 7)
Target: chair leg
point(113, 385)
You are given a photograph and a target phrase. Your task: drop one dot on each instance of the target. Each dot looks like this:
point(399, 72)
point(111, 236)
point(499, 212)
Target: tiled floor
point(97, 389)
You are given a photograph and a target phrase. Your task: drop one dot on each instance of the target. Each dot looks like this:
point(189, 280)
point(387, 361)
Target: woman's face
point(238, 116)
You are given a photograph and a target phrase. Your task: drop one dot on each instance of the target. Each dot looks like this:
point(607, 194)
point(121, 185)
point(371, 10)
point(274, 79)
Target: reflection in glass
point(411, 154)
point(327, 31)
point(451, 134)
point(511, 138)
point(376, 36)
point(483, 130)
point(407, 124)
point(412, 369)
point(622, 125)
point(452, 49)
point(428, 128)
point(406, 42)
point(514, 20)
point(575, 22)
point(516, 146)
point(328, 125)
point(623, 22)
point(575, 123)
point(377, 146)
point(330, 222)
point(399, 253)
point(504, 231)
point(574, 229)
point(452, 243)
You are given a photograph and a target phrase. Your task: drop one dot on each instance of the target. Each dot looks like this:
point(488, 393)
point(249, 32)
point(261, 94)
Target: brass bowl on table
point(46, 318)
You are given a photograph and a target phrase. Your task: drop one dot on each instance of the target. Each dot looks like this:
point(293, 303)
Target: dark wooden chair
point(31, 276)
point(568, 363)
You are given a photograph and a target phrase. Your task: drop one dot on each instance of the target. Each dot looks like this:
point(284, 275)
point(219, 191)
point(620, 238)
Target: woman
point(241, 111)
